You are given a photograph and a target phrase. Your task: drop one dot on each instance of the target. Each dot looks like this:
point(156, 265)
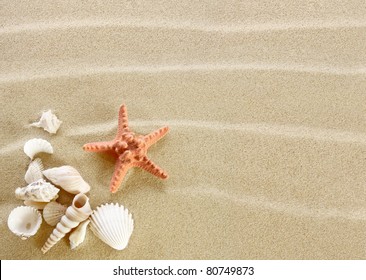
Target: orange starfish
point(130, 150)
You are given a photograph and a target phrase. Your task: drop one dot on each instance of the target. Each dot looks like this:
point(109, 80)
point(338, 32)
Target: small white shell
point(53, 212)
point(35, 204)
point(37, 145)
point(78, 235)
point(49, 122)
point(68, 178)
point(24, 221)
point(113, 224)
point(34, 172)
point(39, 191)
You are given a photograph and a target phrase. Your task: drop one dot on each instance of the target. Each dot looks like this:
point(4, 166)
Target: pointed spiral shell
point(79, 211)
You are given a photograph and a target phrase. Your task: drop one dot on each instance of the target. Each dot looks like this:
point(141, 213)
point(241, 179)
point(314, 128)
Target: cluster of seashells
point(112, 223)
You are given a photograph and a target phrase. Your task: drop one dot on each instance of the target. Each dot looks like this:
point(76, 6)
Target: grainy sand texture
point(266, 101)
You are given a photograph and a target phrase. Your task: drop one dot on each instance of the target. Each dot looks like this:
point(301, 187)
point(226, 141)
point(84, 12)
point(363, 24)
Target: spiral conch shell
point(49, 122)
point(39, 191)
point(78, 212)
point(68, 178)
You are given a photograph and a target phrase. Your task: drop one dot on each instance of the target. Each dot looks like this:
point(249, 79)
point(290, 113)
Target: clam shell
point(78, 235)
point(34, 172)
point(68, 178)
point(39, 191)
point(35, 204)
point(53, 212)
point(36, 146)
point(24, 221)
point(49, 122)
point(113, 224)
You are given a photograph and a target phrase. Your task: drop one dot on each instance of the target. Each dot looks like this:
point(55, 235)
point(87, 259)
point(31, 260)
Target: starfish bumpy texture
point(130, 150)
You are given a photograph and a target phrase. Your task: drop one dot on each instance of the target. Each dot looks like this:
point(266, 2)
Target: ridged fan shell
point(34, 171)
point(53, 212)
point(68, 178)
point(113, 224)
point(39, 191)
point(24, 221)
point(37, 145)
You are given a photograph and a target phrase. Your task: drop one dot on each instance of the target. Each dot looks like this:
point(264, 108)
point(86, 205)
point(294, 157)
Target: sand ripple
point(292, 208)
point(286, 131)
point(182, 25)
point(71, 72)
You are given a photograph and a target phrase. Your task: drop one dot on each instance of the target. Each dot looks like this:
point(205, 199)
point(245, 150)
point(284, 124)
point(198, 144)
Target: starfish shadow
point(105, 163)
point(137, 179)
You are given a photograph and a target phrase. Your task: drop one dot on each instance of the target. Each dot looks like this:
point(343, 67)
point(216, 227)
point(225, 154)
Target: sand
point(266, 101)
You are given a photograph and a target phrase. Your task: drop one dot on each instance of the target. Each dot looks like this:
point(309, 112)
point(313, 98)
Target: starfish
point(130, 150)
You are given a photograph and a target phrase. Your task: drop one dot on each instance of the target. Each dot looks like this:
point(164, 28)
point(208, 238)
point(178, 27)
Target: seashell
point(49, 122)
point(53, 212)
point(37, 145)
point(34, 172)
point(36, 204)
point(78, 212)
point(68, 178)
point(24, 221)
point(113, 224)
point(78, 235)
point(39, 191)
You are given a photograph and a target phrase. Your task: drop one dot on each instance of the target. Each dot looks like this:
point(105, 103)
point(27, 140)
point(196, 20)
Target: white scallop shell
point(36, 204)
point(53, 212)
point(78, 235)
point(49, 122)
point(34, 172)
point(37, 145)
point(68, 178)
point(39, 191)
point(113, 224)
point(24, 221)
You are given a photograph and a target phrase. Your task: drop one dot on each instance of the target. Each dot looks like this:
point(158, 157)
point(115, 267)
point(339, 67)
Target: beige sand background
point(266, 101)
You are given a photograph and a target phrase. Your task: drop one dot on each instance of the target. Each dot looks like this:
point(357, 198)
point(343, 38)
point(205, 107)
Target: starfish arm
point(151, 167)
point(120, 171)
point(155, 136)
point(122, 121)
point(98, 146)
